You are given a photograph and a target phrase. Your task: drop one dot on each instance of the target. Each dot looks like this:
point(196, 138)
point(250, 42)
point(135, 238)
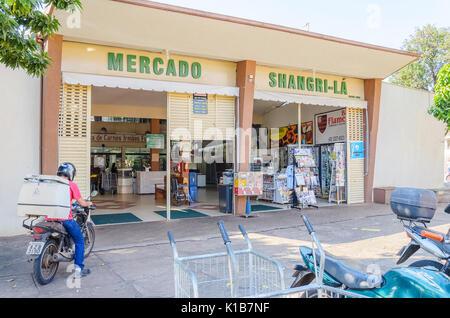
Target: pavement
point(136, 260)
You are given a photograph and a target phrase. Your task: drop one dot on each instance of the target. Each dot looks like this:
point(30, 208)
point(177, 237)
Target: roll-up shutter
point(355, 167)
point(219, 115)
point(225, 106)
point(178, 114)
point(74, 132)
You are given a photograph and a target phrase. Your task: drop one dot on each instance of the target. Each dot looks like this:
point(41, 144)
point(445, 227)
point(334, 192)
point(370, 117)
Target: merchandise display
point(268, 187)
point(248, 183)
point(325, 171)
point(282, 193)
point(337, 184)
point(306, 177)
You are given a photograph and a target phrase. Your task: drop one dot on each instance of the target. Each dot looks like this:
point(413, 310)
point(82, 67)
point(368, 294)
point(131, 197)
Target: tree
point(433, 45)
point(441, 107)
point(24, 26)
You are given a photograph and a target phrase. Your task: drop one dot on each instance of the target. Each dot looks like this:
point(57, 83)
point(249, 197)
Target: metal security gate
point(355, 167)
point(74, 132)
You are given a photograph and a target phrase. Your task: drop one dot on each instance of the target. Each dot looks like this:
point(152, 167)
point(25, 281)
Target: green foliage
point(433, 45)
point(441, 107)
point(20, 22)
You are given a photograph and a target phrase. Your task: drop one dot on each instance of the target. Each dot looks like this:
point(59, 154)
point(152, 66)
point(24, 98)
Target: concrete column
point(372, 93)
point(154, 152)
point(245, 80)
point(50, 106)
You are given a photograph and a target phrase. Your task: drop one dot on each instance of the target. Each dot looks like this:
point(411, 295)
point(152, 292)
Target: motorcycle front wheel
point(44, 269)
point(89, 238)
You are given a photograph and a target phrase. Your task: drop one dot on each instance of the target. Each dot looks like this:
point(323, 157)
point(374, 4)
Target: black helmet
point(68, 170)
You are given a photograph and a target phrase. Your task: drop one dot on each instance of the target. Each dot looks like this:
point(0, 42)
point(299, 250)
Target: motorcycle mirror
point(94, 193)
point(447, 209)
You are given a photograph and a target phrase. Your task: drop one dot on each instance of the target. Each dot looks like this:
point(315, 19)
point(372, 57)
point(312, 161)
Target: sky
point(385, 22)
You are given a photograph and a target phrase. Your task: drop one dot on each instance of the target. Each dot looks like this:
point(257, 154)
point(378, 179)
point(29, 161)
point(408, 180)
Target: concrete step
point(442, 194)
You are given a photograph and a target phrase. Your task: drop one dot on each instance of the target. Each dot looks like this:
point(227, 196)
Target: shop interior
point(314, 176)
point(129, 160)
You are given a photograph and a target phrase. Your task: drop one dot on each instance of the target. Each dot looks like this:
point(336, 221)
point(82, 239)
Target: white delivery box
point(44, 195)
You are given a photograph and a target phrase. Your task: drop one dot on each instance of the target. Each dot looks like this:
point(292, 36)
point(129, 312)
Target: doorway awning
point(146, 84)
point(309, 99)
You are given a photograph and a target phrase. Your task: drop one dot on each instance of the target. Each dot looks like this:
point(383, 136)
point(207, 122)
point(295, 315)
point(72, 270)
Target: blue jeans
point(74, 230)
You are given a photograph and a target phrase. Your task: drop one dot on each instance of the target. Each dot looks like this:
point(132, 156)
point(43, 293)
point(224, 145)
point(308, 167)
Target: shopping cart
point(242, 273)
point(109, 182)
point(317, 289)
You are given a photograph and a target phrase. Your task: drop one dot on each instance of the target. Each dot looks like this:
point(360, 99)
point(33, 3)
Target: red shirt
point(74, 195)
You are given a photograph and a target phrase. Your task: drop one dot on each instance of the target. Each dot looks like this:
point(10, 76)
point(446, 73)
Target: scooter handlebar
point(308, 224)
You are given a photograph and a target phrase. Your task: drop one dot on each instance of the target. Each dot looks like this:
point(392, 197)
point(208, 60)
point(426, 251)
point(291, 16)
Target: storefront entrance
point(327, 168)
point(126, 157)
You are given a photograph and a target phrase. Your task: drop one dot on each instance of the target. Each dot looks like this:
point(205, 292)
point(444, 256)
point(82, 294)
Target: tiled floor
point(143, 206)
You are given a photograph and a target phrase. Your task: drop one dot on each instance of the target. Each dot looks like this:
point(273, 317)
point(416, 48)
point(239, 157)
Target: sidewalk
point(135, 260)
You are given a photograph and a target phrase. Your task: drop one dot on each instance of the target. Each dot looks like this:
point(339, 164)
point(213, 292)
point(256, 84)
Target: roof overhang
point(152, 26)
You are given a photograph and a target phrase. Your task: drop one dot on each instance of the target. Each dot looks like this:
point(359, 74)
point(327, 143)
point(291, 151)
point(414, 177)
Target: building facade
point(214, 77)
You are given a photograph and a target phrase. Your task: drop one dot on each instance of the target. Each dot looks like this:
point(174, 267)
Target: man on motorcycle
point(68, 171)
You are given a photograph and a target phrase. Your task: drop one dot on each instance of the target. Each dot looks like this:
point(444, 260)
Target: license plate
point(35, 248)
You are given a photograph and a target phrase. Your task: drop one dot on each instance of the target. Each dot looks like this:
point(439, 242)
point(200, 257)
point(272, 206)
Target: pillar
point(154, 153)
point(245, 80)
point(51, 83)
point(372, 93)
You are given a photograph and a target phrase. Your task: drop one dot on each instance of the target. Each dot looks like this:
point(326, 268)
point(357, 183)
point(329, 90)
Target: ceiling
point(146, 25)
point(121, 96)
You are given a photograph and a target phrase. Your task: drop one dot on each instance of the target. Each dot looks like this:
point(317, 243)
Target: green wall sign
point(157, 66)
point(155, 141)
point(310, 84)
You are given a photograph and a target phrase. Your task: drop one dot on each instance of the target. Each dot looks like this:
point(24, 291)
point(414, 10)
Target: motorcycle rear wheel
point(44, 270)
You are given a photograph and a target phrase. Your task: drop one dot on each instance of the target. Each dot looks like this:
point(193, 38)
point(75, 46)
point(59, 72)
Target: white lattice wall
point(355, 167)
point(75, 132)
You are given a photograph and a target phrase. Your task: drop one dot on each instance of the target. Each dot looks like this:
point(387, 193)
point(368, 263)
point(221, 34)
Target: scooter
point(52, 244)
point(404, 282)
point(435, 243)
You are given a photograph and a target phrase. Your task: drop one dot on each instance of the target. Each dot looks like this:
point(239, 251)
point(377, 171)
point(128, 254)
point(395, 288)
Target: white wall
point(288, 115)
point(20, 131)
point(410, 143)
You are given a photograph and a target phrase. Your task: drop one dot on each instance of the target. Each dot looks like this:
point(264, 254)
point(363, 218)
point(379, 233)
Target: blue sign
point(200, 104)
point(357, 150)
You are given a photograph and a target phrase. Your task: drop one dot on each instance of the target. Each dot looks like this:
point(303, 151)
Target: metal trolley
point(317, 289)
point(242, 273)
point(109, 182)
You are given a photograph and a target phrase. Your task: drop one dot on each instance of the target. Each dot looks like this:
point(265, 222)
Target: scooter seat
point(350, 277)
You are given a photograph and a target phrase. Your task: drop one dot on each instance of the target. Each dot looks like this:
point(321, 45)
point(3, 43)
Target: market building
point(146, 92)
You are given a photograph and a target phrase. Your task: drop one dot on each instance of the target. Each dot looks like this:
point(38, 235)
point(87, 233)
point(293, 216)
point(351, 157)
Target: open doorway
point(126, 165)
point(128, 157)
point(318, 173)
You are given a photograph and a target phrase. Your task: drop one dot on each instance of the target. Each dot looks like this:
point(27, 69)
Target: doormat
point(181, 214)
point(262, 207)
point(114, 218)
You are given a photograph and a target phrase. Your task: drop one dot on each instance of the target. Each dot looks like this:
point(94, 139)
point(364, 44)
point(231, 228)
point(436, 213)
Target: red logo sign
point(322, 123)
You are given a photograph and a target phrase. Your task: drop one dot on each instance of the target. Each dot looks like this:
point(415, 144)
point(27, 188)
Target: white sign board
point(331, 127)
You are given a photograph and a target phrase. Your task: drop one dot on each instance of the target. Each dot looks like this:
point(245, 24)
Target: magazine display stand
point(337, 182)
point(306, 175)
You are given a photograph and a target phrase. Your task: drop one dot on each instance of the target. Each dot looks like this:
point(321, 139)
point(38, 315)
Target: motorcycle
point(52, 244)
point(404, 282)
point(435, 243)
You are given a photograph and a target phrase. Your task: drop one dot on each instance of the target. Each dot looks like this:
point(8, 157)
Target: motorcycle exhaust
point(57, 258)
